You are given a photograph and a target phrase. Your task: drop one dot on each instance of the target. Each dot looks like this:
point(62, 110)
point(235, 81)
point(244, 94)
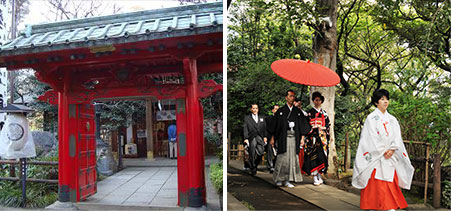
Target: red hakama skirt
point(382, 195)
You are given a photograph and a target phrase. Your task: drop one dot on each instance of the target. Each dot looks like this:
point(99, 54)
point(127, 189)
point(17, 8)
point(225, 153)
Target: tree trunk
point(325, 53)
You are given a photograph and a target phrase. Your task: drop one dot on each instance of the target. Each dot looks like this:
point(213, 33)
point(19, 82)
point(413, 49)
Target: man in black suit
point(270, 148)
point(254, 130)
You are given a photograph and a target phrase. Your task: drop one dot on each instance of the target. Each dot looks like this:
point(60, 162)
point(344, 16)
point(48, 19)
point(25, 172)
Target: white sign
point(141, 133)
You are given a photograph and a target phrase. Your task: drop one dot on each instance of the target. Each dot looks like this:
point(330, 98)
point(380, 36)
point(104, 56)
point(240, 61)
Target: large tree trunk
point(325, 49)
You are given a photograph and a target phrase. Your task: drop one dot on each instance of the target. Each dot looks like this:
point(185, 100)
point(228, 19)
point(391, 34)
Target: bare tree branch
point(73, 9)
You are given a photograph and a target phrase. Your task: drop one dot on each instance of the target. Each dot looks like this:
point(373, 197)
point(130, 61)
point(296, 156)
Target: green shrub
point(213, 138)
point(219, 153)
point(446, 194)
point(216, 176)
point(39, 195)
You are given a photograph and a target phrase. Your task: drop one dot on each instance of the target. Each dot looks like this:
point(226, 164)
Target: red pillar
point(67, 157)
point(201, 130)
point(191, 167)
point(182, 160)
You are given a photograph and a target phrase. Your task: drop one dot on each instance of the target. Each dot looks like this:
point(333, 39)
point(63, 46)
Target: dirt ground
point(261, 195)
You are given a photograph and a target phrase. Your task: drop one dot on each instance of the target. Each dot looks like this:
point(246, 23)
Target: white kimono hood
point(15, 139)
point(380, 133)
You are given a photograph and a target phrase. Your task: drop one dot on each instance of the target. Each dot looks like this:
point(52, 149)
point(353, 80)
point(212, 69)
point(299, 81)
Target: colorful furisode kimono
point(316, 142)
point(380, 178)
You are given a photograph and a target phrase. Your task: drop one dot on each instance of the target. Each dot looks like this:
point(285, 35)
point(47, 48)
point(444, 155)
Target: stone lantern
point(15, 139)
point(105, 161)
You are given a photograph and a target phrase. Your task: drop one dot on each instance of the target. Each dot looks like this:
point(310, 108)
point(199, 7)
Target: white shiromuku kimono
point(381, 132)
point(15, 139)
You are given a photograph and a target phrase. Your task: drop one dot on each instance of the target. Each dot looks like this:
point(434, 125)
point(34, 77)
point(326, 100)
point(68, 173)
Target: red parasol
point(305, 72)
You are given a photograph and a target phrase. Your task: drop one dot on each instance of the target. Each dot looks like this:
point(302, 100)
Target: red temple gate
point(124, 57)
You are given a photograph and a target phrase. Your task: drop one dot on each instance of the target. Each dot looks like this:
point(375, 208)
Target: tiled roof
point(121, 28)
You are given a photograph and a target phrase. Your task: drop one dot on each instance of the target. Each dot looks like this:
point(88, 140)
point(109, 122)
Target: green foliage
point(214, 138)
point(422, 24)
point(115, 114)
point(264, 30)
point(219, 154)
point(29, 88)
point(212, 105)
point(345, 120)
point(39, 195)
point(424, 120)
point(216, 172)
point(446, 194)
point(343, 116)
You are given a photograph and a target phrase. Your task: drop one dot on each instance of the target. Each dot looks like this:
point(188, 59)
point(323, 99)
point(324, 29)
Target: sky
point(39, 9)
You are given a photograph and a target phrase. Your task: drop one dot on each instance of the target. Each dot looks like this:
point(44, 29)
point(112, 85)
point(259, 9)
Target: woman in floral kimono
point(315, 156)
point(381, 165)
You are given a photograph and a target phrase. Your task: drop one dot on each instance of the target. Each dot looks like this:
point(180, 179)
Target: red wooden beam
point(215, 67)
point(107, 74)
point(110, 72)
point(206, 88)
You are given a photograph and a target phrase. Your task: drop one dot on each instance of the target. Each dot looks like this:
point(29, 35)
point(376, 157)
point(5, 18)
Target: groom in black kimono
point(255, 139)
point(289, 127)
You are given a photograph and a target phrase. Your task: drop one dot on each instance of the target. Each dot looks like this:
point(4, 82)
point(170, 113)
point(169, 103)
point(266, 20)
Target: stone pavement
point(234, 204)
point(138, 186)
point(323, 196)
point(142, 188)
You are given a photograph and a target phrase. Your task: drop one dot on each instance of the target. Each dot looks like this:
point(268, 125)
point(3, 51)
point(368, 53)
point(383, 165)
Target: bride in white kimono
point(382, 164)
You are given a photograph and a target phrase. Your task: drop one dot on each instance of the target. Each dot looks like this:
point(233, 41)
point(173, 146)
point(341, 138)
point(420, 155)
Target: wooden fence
point(44, 163)
point(23, 163)
point(426, 169)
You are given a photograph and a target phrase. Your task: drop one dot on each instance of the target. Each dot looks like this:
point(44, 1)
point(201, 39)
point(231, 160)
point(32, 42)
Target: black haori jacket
point(280, 127)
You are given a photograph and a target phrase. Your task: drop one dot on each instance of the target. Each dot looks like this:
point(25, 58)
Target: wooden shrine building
point(124, 56)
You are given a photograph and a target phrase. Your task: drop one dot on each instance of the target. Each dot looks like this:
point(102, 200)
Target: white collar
point(290, 107)
point(380, 112)
point(318, 110)
point(384, 116)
